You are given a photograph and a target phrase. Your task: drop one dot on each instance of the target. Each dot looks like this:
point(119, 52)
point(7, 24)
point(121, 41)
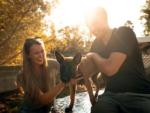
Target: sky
point(72, 12)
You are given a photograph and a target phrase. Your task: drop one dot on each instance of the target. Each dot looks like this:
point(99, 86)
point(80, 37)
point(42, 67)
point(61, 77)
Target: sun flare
point(72, 12)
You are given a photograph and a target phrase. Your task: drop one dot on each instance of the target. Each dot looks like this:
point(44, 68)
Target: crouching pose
point(37, 79)
point(115, 53)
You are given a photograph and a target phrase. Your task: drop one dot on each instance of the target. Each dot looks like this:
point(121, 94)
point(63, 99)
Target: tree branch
point(16, 27)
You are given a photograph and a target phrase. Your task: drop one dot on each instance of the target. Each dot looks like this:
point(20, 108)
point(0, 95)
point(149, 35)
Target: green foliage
point(146, 17)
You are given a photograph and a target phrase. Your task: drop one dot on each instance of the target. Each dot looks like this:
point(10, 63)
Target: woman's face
point(36, 54)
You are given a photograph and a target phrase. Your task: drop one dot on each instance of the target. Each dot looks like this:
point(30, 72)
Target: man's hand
point(86, 66)
point(109, 66)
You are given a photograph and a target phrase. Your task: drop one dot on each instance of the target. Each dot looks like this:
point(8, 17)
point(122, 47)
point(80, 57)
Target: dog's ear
point(59, 57)
point(77, 58)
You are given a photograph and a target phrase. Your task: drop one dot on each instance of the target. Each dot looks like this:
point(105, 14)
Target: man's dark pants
point(122, 103)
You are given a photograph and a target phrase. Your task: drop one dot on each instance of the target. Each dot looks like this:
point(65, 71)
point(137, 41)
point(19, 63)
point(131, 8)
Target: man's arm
point(108, 66)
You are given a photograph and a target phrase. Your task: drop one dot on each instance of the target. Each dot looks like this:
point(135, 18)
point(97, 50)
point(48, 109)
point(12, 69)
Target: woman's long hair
point(30, 84)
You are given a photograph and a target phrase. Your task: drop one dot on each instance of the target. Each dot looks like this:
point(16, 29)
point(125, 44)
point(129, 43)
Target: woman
point(34, 79)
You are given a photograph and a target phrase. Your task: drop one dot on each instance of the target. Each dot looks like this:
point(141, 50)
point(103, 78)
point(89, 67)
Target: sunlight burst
point(72, 12)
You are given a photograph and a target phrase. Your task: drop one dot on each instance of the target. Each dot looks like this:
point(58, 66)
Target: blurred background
point(60, 23)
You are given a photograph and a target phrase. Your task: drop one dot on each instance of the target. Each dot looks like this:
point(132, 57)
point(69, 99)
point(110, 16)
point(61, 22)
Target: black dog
point(68, 70)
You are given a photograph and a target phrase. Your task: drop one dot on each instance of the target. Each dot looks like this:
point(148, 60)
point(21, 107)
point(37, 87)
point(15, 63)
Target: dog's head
point(68, 66)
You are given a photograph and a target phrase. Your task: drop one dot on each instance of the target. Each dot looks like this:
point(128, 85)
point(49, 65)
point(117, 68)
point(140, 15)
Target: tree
point(19, 20)
point(129, 24)
point(72, 40)
point(146, 17)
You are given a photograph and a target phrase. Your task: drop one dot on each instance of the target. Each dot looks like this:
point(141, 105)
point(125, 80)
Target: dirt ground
point(10, 104)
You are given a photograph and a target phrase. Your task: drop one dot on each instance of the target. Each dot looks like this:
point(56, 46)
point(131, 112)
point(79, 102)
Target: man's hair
point(97, 13)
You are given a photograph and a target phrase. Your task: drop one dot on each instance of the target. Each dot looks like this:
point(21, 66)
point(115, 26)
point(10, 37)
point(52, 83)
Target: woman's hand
point(73, 81)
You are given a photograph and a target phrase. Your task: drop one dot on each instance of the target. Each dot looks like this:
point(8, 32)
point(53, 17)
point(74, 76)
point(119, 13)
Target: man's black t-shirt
point(131, 75)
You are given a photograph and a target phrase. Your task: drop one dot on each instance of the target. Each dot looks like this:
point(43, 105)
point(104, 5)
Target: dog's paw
point(68, 110)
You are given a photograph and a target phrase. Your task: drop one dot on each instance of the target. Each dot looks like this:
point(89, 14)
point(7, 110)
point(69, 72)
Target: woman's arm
point(20, 89)
point(48, 97)
point(19, 83)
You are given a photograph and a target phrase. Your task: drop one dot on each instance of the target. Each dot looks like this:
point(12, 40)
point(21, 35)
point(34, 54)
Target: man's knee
point(104, 105)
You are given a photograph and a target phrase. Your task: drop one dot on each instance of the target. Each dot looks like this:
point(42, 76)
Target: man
point(115, 53)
